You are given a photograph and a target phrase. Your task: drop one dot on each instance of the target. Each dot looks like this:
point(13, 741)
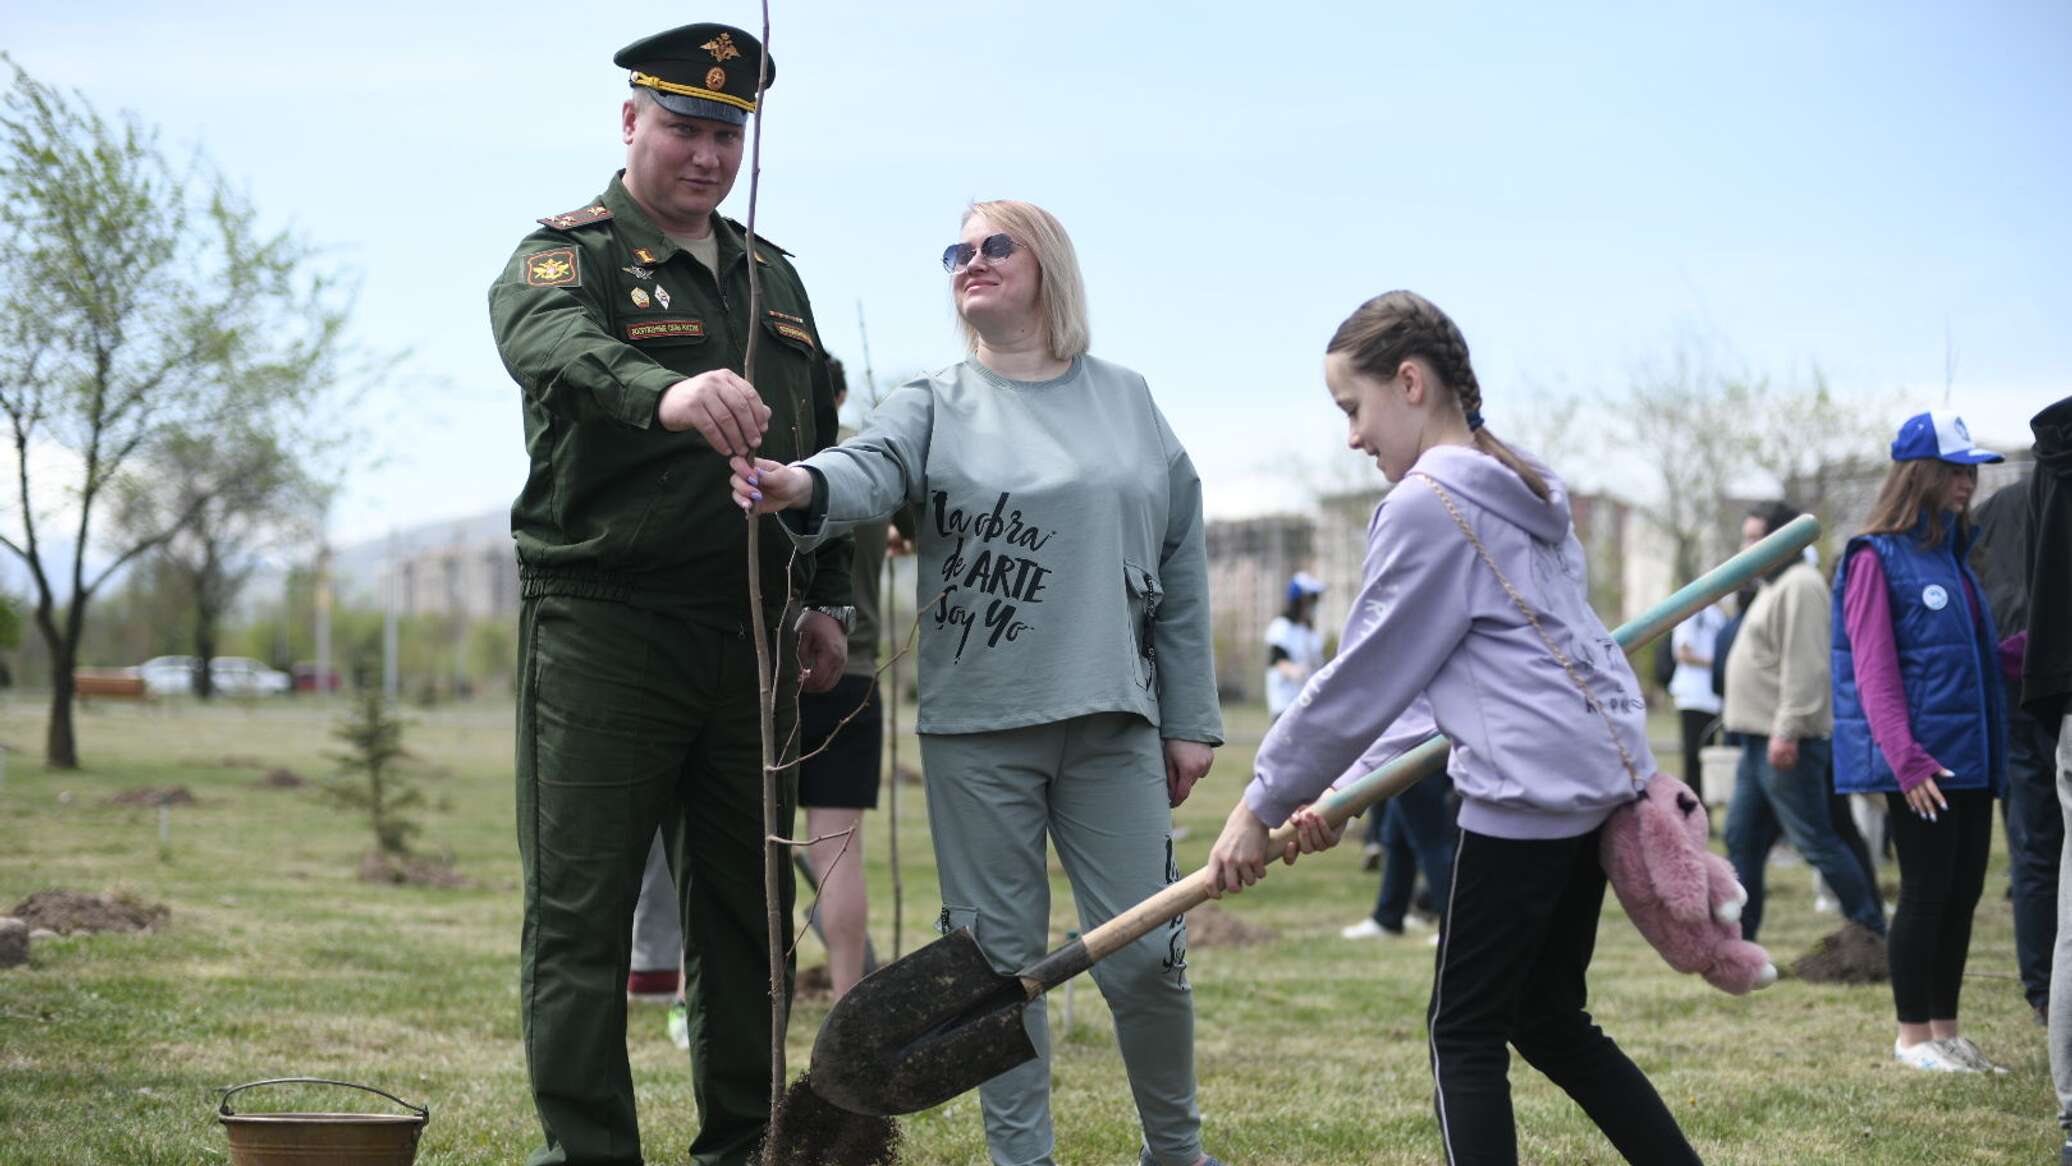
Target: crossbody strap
point(1525, 609)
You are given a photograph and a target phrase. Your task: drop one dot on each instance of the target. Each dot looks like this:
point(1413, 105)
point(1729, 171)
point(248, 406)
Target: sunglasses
point(957, 256)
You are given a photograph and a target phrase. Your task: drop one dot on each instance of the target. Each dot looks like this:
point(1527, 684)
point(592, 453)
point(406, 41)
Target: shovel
point(928, 1027)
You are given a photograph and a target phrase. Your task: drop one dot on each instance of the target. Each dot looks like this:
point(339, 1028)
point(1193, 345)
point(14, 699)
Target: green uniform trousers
point(630, 718)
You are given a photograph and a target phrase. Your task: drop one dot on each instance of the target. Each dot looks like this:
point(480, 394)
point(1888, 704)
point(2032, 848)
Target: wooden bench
point(108, 684)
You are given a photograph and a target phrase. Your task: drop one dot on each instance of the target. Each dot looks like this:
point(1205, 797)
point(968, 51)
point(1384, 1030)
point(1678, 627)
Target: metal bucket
point(321, 1139)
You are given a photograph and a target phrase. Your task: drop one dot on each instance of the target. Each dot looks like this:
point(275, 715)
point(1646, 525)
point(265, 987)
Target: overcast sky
point(1582, 186)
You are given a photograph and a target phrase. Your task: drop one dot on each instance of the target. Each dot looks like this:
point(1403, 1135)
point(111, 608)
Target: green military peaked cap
point(699, 70)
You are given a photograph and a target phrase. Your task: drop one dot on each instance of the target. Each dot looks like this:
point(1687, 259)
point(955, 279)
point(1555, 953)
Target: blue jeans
point(1416, 832)
point(1769, 804)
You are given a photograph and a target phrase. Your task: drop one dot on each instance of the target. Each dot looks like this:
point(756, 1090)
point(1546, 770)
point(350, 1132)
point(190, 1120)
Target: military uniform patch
point(777, 315)
point(555, 268)
point(594, 213)
point(794, 332)
point(664, 329)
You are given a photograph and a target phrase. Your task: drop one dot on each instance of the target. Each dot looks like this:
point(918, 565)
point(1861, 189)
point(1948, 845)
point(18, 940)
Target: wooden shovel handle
point(1185, 895)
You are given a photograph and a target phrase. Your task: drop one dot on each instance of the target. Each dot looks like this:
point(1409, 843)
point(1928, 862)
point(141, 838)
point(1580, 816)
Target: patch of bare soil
point(151, 795)
point(814, 983)
point(411, 870)
point(1211, 926)
point(281, 779)
point(72, 912)
point(907, 775)
point(1852, 955)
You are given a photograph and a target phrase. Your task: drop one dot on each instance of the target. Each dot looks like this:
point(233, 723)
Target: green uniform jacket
point(595, 315)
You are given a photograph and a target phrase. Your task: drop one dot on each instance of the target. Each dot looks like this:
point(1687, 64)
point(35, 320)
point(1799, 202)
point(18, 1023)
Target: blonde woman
point(1067, 685)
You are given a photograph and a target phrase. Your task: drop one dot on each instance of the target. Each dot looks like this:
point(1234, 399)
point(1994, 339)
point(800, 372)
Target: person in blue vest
point(1920, 718)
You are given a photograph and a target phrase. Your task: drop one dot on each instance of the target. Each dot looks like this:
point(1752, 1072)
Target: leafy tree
point(138, 300)
point(242, 493)
point(369, 779)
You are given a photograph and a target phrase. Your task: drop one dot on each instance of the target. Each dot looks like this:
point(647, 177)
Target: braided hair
point(1393, 327)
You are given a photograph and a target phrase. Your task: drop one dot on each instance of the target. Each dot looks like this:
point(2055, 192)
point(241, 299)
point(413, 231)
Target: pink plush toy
point(1684, 899)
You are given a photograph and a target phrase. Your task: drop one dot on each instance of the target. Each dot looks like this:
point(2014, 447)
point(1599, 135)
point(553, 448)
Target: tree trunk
point(60, 744)
point(204, 651)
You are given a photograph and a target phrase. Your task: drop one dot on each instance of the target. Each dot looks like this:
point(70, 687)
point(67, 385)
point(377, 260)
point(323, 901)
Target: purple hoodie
point(1530, 757)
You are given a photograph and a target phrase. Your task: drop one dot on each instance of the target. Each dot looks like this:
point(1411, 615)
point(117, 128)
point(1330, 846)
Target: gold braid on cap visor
point(654, 82)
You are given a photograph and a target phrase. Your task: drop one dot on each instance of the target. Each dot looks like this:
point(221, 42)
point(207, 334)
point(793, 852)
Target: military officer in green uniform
point(624, 323)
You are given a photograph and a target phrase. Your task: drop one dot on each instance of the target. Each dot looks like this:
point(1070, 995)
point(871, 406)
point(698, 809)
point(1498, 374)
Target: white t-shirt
point(1691, 685)
point(1305, 646)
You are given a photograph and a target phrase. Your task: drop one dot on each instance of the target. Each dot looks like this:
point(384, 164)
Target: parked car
point(229, 675)
point(244, 676)
point(168, 675)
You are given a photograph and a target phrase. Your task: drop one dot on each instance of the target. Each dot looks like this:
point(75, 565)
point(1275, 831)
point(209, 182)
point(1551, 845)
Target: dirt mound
point(151, 795)
point(281, 779)
point(1211, 926)
point(1853, 955)
point(414, 870)
point(809, 1130)
point(814, 983)
point(72, 912)
point(907, 775)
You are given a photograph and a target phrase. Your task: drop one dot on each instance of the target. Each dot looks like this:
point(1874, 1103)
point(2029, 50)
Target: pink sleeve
point(2012, 651)
point(1867, 617)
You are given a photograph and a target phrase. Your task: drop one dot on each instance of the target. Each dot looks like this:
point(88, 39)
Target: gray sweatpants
point(1096, 786)
point(2061, 956)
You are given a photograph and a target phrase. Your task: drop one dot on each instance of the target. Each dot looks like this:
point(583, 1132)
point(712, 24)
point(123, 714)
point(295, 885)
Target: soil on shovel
point(281, 779)
point(1211, 926)
point(809, 1130)
point(1852, 955)
point(73, 912)
point(151, 795)
point(410, 870)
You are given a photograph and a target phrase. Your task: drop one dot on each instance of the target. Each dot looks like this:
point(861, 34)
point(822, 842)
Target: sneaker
point(1929, 1055)
point(1368, 929)
point(679, 1026)
point(1961, 1049)
point(1145, 1159)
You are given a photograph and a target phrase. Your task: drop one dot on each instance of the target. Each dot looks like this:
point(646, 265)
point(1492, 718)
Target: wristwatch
point(844, 615)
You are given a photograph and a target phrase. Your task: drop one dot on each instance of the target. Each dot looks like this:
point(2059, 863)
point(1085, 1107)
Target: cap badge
point(715, 78)
point(640, 298)
point(722, 47)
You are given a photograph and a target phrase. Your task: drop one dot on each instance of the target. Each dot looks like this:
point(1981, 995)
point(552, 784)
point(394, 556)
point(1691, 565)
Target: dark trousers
point(1942, 870)
point(1517, 942)
point(2035, 840)
point(629, 719)
point(1416, 834)
point(1694, 722)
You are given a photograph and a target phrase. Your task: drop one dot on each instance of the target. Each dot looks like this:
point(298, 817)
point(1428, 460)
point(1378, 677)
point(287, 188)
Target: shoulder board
point(763, 239)
point(594, 213)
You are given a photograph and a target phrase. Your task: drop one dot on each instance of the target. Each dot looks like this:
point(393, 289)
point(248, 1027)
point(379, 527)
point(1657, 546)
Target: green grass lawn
point(1310, 1049)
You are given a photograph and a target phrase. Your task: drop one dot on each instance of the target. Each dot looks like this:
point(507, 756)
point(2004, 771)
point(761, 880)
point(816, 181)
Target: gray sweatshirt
point(1062, 568)
point(1530, 758)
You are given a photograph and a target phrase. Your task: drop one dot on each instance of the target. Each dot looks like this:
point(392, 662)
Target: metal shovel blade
point(921, 1030)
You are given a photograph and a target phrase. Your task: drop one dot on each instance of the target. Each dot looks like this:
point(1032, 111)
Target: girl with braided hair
point(1475, 599)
